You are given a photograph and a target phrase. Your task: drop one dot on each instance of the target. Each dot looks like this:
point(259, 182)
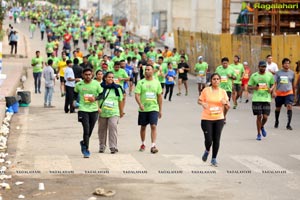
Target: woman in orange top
point(213, 100)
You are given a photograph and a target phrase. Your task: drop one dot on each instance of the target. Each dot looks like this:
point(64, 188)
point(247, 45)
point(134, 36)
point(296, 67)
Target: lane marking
point(259, 164)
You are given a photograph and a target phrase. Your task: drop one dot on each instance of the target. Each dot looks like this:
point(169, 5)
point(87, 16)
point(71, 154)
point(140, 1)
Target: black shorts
point(229, 95)
point(280, 100)
point(237, 87)
point(162, 85)
point(261, 108)
point(183, 77)
point(131, 79)
point(111, 45)
point(146, 118)
point(62, 79)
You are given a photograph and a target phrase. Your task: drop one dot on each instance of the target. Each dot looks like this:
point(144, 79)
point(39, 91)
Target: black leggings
point(169, 88)
point(69, 99)
point(212, 130)
point(88, 120)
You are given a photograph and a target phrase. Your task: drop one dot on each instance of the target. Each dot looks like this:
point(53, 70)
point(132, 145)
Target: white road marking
point(188, 162)
point(259, 164)
point(53, 163)
point(121, 162)
point(296, 156)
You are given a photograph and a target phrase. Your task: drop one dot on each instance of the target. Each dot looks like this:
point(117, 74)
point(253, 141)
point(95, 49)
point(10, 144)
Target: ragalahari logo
point(269, 6)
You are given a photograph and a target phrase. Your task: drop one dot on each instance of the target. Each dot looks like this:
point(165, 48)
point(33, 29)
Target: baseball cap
point(262, 63)
point(245, 63)
point(200, 57)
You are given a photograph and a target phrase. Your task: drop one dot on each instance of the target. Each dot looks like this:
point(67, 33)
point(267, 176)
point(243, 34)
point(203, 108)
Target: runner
point(238, 68)
point(201, 70)
point(111, 111)
point(149, 98)
point(38, 64)
point(61, 73)
point(88, 90)
point(262, 82)
point(271, 66)
point(69, 84)
point(227, 76)
point(284, 92)
point(245, 81)
point(48, 74)
point(214, 101)
point(183, 69)
point(170, 81)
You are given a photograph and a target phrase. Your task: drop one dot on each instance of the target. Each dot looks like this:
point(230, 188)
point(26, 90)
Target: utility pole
point(99, 16)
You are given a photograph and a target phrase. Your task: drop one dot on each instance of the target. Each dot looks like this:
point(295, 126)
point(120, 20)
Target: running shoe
point(289, 127)
point(258, 138)
point(83, 147)
point(205, 155)
point(235, 105)
point(263, 132)
point(101, 149)
point(142, 148)
point(114, 150)
point(153, 150)
point(214, 162)
point(276, 124)
point(178, 94)
point(86, 153)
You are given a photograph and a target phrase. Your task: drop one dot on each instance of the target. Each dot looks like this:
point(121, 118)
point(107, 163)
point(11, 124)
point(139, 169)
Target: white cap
point(200, 57)
point(245, 63)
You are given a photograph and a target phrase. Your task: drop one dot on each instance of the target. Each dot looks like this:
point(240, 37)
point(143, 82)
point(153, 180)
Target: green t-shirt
point(32, 27)
point(86, 90)
point(85, 35)
point(55, 61)
point(161, 77)
point(226, 82)
point(151, 55)
point(38, 64)
point(264, 82)
point(50, 47)
point(238, 70)
point(110, 106)
point(148, 91)
point(201, 68)
point(121, 73)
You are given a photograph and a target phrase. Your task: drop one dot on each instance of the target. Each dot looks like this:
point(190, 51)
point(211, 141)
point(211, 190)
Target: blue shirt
point(171, 73)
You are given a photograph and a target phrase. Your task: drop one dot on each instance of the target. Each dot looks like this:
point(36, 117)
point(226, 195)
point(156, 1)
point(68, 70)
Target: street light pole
point(99, 16)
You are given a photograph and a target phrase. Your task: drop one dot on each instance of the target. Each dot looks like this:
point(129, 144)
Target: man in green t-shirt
point(201, 70)
point(37, 63)
point(262, 84)
point(239, 71)
point(227, 76)
point(148, 95)
point(89, 92)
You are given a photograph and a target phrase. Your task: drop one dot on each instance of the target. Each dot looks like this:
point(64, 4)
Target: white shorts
point(201, 79)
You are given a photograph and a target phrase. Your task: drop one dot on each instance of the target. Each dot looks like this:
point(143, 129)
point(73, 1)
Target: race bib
point(215, 111)
point(116, 80)
point(181, 70)
point(262, 86)
point(86, 97)
point(201, 73)
point(170, 79)
point(284, 79)
point(224, 79)
point(174, 63)
point(150, 96)
point(108, 105)
point(237, 72)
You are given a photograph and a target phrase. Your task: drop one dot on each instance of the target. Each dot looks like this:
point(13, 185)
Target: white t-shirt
point(69, 73)
point(272, 67)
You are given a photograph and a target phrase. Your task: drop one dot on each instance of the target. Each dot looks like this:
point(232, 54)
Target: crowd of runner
point(113, 64)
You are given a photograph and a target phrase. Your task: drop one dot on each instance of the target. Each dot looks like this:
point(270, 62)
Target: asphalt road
point(44, 147)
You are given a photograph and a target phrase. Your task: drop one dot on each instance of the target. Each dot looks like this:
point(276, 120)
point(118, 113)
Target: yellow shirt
point(62, 67)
